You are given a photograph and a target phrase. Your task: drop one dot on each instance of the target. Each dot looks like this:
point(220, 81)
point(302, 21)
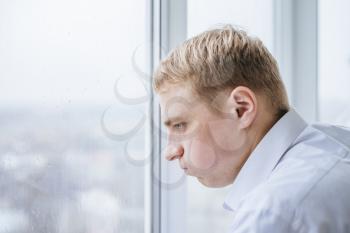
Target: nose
point(173, 152)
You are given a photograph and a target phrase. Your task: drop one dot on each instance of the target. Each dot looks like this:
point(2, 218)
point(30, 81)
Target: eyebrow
point(170, 121)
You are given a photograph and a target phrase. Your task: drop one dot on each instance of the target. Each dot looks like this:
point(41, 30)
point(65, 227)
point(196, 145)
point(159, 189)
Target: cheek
point(226, 135)
point(201, 155)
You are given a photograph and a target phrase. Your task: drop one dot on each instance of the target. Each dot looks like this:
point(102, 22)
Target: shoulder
point(327, 137)
point(309, 188)
point(314, 169)
point(262, 212)
point(295, 204)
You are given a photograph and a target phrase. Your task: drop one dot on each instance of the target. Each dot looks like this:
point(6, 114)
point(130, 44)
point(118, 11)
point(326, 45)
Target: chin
point(212, 184)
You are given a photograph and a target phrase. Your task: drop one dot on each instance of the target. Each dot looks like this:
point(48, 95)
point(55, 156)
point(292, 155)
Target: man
point(229, 122)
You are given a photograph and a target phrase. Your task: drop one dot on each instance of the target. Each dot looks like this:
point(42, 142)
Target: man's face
point(208, 145)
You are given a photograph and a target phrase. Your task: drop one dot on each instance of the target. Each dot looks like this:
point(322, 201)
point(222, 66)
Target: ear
point(243, 104)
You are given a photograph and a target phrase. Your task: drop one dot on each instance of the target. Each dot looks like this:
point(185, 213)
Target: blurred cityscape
point(60, 174)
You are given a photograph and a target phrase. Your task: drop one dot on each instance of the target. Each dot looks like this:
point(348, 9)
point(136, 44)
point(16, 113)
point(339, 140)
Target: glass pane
point(254, 16)
point(334, 61)
point(205, 212)
point(71, 116)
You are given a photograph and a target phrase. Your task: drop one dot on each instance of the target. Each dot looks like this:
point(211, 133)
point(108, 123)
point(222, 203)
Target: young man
point(229, 122)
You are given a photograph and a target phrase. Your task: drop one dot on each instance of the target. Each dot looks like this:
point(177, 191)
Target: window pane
point(334, 61)
point(254, 16)
point(205, 212)
point(62, 161)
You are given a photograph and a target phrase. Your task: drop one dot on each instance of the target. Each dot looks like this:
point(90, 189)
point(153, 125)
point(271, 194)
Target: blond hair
point(223, 58)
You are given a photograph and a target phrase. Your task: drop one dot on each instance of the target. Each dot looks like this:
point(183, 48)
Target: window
point(334, 62)
point(63, 165)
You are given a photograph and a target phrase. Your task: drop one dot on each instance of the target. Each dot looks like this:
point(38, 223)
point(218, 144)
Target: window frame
point(165, 201)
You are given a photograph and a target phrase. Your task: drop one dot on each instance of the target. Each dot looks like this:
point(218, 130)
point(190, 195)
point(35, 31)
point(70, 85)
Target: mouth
point(182, 166)
point(186, 171)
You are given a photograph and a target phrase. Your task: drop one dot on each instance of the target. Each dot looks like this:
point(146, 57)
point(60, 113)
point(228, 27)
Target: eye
point(179, 126)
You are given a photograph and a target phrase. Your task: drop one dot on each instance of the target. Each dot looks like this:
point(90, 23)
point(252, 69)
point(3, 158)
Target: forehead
point(175, 91)
point(177, 99)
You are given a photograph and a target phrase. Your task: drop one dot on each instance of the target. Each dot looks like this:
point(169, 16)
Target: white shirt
point(296, 180)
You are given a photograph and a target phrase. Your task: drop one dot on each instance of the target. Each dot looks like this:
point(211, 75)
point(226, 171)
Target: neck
point(263, 122)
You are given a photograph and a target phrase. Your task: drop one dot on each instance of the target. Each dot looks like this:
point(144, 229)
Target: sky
point(63, 51)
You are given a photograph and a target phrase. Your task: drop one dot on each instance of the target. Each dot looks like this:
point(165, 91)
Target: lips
point(184, 167)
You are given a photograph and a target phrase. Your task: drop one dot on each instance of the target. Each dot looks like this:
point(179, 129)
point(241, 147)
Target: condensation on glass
point(72, 104)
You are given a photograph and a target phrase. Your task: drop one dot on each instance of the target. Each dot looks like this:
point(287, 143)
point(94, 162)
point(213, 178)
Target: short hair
point(223, 58)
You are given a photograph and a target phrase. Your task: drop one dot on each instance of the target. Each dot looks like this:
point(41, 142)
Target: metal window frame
point(164, 203)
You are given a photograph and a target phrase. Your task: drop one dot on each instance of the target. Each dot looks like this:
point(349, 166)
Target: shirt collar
point(265, 157)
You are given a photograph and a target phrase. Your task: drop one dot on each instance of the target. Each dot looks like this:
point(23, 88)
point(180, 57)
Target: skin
point(210, 145)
